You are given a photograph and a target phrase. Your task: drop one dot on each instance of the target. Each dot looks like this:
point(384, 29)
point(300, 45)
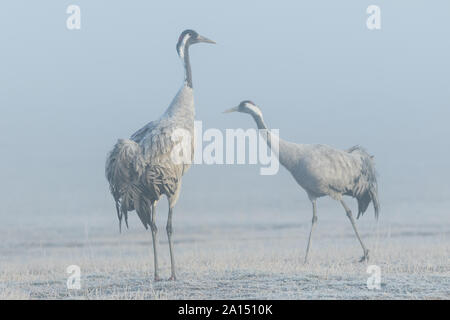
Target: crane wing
point(158, 141)
point(141, 133)
point(124, 168)
point(141, 169)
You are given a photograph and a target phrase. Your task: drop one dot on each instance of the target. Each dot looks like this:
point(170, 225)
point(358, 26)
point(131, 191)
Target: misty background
point(318, 74)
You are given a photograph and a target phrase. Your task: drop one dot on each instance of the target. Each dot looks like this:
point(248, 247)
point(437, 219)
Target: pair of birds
point(141, 169)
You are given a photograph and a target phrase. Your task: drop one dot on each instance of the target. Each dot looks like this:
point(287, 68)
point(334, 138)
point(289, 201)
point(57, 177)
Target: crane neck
point(280, 146)
point(262, 127)
point(184, 55)
point(259, 121)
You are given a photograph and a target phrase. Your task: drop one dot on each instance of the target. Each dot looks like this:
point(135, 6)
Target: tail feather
point(368, 187)
point(363, 203)
point(119, 215)
point(125, 214)
point(144, 211)
point(124, 166)
point(376, 203)
point(371, 195)
point(135, 183)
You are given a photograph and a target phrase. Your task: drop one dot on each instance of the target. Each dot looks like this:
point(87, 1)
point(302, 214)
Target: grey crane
point(142, 169)
point(324, 171)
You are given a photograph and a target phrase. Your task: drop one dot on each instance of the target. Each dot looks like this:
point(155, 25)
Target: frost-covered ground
point(238, 256)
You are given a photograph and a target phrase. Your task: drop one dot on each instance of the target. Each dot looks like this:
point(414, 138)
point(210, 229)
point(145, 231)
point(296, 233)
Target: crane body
point(141, 169)
point(322, 170)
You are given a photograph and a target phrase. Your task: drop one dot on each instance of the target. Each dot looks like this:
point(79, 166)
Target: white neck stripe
point(254, 109)
point(183, 45)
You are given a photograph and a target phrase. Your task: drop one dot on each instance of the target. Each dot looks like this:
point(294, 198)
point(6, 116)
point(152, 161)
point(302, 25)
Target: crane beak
point(231, 110)
point(204, 39)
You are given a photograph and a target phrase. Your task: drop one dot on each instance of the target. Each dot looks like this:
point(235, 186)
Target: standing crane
point(324, 171)
point(142, 169)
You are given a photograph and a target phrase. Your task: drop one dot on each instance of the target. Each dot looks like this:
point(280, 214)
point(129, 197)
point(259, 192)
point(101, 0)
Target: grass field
point(253, 258)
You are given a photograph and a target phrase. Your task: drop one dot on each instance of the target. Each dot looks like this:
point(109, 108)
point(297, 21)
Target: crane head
point(246, 106)
point(188, 37)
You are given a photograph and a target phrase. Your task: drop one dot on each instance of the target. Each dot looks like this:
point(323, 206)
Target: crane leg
point(155, 241)
point(169, 236)
point(350, 216)
point(313, 223)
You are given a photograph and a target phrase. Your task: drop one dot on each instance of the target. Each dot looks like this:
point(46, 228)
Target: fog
point(318, 74)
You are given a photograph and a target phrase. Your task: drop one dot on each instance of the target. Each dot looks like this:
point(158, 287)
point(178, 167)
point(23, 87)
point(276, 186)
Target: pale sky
point(318, 74)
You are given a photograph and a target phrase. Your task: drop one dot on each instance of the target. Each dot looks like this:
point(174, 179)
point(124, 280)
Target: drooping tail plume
point(368, 186)
point(124, 166)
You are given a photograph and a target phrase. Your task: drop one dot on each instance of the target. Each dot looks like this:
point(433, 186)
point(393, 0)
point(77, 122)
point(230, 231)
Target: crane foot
point(365, 257)
point(172, 278)
point(157, 278)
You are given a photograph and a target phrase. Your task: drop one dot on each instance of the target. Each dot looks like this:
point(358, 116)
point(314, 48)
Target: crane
point(322, 170)
point(142, 169)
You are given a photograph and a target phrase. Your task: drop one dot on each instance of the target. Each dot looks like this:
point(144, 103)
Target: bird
point(322, 170)
point(143, 168)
